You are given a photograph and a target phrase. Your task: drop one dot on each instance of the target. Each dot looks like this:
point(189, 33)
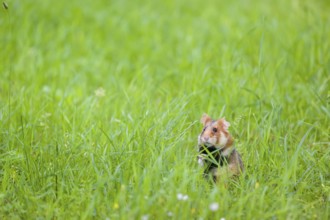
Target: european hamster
point(216, 149)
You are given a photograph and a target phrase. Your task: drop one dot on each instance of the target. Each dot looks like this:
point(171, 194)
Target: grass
point(100, 106)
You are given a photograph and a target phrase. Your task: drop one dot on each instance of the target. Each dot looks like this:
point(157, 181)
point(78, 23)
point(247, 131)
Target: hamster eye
point(214, 130)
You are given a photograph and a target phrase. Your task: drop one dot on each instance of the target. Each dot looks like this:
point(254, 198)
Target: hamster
point(216, 149)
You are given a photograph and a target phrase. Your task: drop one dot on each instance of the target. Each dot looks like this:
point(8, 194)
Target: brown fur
point(216, 133)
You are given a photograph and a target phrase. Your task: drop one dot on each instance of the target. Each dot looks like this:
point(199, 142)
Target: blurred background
point(100, 104)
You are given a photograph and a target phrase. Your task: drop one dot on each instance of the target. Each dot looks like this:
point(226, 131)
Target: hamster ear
point(224, 124)
point(205, 119)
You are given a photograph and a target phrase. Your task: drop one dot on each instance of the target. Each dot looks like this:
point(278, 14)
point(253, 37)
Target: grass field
point(100, 104)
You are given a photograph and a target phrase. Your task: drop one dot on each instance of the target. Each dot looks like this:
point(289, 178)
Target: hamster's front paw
point(200, 161)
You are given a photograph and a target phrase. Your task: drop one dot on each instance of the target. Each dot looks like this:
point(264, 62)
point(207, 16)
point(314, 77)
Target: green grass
point(72, 150)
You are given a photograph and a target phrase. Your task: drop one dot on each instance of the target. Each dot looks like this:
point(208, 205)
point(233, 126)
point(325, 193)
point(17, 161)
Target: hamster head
point(215, 132)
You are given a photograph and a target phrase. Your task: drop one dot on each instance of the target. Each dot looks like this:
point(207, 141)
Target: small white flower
point(182, 197)
point(222, 218)
point(169, 214)
point(144, 217)
point(100, 92)
point(214, 206)
point(46, 89)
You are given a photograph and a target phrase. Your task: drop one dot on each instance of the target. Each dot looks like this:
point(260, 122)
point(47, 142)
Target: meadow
point(100, 103)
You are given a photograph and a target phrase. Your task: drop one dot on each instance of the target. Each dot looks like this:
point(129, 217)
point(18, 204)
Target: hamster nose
point(206, 139)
